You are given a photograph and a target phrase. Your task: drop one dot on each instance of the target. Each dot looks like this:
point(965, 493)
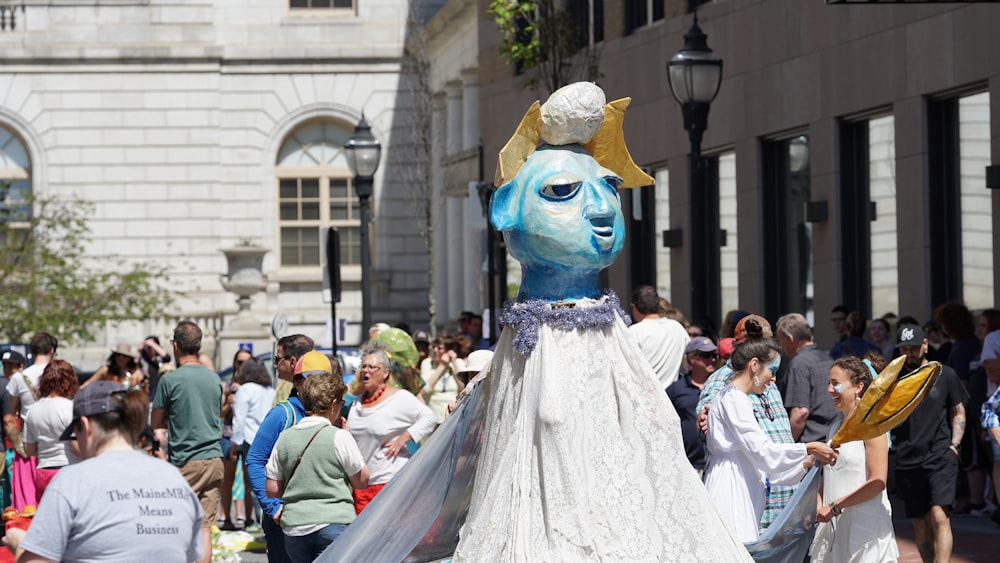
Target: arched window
point(15, 186)
point(315, 191)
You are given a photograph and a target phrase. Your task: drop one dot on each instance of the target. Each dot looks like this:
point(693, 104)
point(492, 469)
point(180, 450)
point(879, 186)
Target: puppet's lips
point(605, 236)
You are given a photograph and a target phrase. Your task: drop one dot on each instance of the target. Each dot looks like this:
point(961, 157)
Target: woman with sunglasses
point(854, 512)
point(744, 460)
point(383, 419)
point(96, 510)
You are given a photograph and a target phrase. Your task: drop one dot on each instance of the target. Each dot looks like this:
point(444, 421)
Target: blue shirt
point(260, 451)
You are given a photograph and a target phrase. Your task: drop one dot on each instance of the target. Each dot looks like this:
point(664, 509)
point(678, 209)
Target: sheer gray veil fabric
point(787, 540)
point(417, 516)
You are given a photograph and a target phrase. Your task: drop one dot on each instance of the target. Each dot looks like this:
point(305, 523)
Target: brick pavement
point(976, 540)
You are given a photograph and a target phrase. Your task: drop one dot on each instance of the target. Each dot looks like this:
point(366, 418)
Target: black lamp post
point(363, 152)
point(695, 75)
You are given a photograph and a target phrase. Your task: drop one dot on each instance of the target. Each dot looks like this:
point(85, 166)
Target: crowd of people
point(192, 427)
point(750, 436)
point(757, 407)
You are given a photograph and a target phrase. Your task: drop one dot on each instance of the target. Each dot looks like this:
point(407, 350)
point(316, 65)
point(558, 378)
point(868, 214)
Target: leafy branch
point(46, 283)
point(546, 37)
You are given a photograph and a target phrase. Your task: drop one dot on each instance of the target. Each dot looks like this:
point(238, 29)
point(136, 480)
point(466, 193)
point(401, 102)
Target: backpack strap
point(289, 414)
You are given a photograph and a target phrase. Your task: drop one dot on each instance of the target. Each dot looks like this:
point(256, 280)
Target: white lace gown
point(862, 533)
point(582, 459)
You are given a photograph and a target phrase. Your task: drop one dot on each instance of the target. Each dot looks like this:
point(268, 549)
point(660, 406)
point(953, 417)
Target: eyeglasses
point(369, 367)
point(767, 408)
point(707, 355)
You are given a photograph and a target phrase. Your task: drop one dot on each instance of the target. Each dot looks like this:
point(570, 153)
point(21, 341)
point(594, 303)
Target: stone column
point(472, 254)
point(453, 125)
point(439, 216)
point(470, 108)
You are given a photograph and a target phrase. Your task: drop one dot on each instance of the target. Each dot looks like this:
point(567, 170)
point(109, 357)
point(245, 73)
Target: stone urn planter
point(245, 276)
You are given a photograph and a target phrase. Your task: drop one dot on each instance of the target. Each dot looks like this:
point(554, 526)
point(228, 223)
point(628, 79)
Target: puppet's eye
point(563, 186)
point(614, 181)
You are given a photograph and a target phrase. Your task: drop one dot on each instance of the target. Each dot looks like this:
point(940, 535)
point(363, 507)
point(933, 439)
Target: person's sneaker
point(968, 508)
point(228, 526)
point(986, 510)
point(995, 516)
point(252, 528)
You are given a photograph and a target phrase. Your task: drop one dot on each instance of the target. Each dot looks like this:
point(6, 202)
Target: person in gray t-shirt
point(119, 505)
point(804, 384)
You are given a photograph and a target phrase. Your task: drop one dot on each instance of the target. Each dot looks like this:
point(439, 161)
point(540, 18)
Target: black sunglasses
point(767, 408)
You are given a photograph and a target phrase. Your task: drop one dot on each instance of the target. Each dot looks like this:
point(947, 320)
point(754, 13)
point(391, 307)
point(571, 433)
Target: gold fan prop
point(889, 400)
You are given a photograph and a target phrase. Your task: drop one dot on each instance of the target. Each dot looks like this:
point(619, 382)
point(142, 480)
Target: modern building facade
point(847, 149)
point(196, 125)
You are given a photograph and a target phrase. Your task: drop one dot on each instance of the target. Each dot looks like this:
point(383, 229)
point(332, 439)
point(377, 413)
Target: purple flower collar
point(528, 316)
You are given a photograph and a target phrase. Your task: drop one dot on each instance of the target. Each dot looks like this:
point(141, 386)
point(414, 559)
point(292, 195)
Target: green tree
point(45, 283)
point(547, 37)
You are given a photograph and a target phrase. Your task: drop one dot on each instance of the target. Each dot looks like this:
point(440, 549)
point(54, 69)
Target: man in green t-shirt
point(187, 417)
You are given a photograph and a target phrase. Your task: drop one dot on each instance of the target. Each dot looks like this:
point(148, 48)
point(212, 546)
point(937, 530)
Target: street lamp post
point(363, 152)
point(695, 74)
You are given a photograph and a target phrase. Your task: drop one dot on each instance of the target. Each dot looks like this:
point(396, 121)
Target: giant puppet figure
point(565, 448)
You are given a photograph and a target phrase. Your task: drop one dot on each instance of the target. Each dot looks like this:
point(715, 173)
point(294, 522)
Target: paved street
point(977, 540)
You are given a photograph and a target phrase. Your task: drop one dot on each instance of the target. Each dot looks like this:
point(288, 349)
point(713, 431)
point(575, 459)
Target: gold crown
point(607, 146)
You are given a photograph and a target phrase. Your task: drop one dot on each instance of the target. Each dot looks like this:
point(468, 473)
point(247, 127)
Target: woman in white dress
point(854, 512)
point(744, 459)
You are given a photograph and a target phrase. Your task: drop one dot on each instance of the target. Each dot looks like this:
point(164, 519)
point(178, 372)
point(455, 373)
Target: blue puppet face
point(562, 213)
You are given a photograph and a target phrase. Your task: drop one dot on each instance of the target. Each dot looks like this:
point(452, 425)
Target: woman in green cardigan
point(313, 467)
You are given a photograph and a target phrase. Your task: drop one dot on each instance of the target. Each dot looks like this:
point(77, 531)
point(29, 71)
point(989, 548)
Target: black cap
point(910, 335)
point(13, 356)
point(95, 398)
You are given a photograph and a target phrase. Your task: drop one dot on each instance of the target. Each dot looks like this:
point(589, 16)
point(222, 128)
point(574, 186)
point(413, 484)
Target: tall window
point(662, 222)
point(588, 17)
point(869, 262)
point(15, 186)
point(962, 241)
point(315, 192)
point(882, 192)
point(331, 5)
point(640, 13)
point(728, 265)
point(975, 200)
point(788, 258)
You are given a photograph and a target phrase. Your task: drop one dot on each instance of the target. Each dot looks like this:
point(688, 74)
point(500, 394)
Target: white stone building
point(459, 222)
point(195, 124)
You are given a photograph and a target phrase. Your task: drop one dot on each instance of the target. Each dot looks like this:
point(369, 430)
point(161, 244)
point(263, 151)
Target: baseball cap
point(700, 344)
point(477, 361)
point(740, 333)
point(910, 335)
point(95, 398)
point(421, 336)
point(13, 356)
point(313, 362)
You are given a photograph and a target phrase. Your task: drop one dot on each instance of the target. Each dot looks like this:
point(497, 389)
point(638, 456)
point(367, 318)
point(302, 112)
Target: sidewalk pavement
point(976, 539)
